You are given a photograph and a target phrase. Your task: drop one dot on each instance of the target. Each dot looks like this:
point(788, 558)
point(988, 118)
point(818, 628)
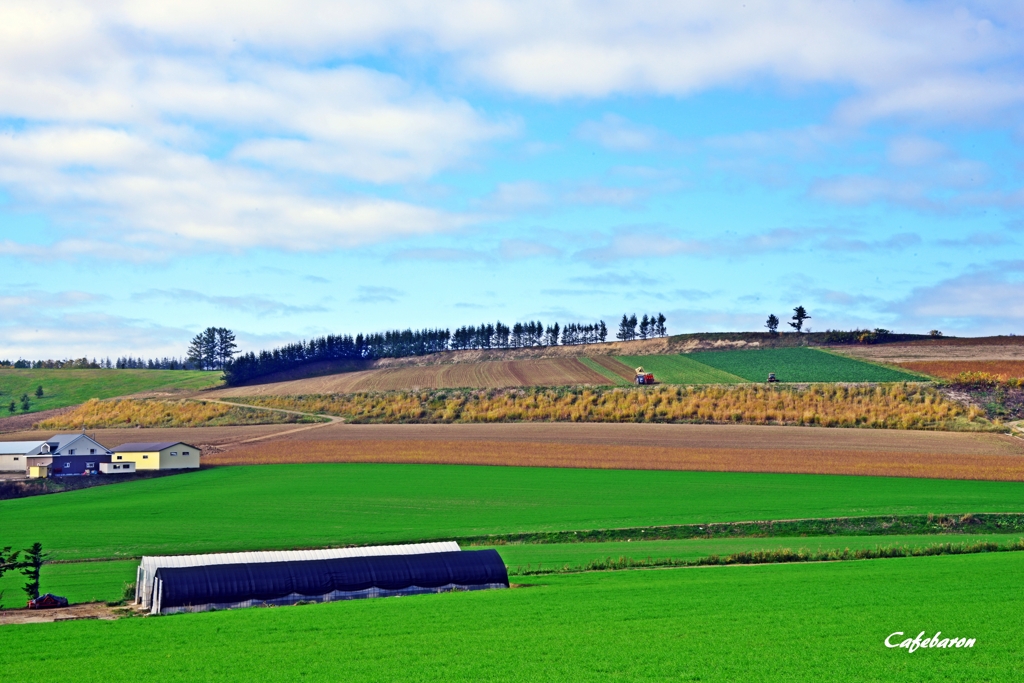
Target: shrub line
point(890, 525)
point(780, 556)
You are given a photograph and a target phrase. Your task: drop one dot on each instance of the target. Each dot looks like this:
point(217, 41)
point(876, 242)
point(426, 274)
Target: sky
point(293, 169)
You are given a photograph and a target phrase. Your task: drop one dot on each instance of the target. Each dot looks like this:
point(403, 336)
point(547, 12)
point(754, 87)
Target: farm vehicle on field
point(643, 377)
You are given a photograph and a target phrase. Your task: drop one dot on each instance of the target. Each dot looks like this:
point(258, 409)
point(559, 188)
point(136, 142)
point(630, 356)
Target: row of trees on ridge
point(402, 343)
point(647, 327)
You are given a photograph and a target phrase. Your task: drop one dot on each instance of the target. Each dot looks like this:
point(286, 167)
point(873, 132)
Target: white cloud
point(915, 151)
point(139, 196)
point(649, 243)
point(617, 134)
point(524, 195)
point(984, 300)
point(370, 294)
point(250, 303)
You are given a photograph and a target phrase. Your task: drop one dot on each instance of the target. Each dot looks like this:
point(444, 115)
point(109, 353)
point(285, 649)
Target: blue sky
point(292, 169)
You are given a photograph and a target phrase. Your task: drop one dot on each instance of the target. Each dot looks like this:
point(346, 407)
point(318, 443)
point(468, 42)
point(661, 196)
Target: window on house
point(174, 452)
point(71, 452)
point(16, 458)
point(184, 452)
point(92, 451)
point(119, 457)
point(145, 457)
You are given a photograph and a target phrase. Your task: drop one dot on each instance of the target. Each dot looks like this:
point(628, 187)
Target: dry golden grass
point(1000, 369)
point(894, 406)
point(601, 456)
point(96, 414)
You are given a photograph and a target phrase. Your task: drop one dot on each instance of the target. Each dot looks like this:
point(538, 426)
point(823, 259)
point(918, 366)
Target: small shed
point(231, 586)
point(117, 467)
point(161, 455)
point(38, 471)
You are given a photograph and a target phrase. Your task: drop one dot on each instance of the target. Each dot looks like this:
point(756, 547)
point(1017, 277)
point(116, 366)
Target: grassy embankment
point(96, 414)
point(297, 506)
point(816, 622)
point(70, 387)
point(893, 406)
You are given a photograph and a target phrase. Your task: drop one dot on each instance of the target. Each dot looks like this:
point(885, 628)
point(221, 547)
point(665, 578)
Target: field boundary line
point(892, 526)
point(331, 419)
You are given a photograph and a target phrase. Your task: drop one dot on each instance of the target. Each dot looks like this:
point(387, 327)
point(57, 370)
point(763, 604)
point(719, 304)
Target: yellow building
point(166, 455)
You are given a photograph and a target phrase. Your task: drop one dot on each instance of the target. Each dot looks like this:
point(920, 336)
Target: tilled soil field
point(204, 437)
point(726, 448)
point(488, 375)
point(631, 435)
point(541, 454)
point(948, 369)
point(988, 348)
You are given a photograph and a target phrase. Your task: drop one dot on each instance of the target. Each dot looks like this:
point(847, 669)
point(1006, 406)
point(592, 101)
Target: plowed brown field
point(614, 365)
point(542, 454)
point(948, 369)
point(986, 348)
point(489, 375)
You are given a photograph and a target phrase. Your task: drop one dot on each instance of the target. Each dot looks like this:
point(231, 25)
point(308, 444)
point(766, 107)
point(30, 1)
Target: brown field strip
point(948, 369)
point(585, 435)
point(488, 375)
point(615, 366)
point(996, 348)
point(699, 436)
point(541, 454)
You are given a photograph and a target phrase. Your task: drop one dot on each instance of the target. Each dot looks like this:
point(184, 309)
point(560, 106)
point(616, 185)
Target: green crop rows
point(799, 364)
point(763, 623)
point(71, 387)
point(680, 370)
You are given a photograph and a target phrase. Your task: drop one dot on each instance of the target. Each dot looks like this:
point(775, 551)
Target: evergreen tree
point(225, 346)
point(39, 391)
point(772, 324)
point(8, 562)
point(196, 353)
point(662, 330)
point(632, 326)
point(623, 333)
point(30, 568)
point(602, 333)
point(799, 317)
point(645, 323)
point(12, 407)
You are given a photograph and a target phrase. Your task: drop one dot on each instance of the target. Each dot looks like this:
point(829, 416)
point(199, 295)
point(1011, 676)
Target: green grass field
point(78, 582)
point(680, 370)
point(105, 580)
point(820, 622)
point(295, 506)
point(799, 364)
point(71, 387)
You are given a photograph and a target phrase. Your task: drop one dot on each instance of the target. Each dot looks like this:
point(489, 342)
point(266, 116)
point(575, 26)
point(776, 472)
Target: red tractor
point(643, 377)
